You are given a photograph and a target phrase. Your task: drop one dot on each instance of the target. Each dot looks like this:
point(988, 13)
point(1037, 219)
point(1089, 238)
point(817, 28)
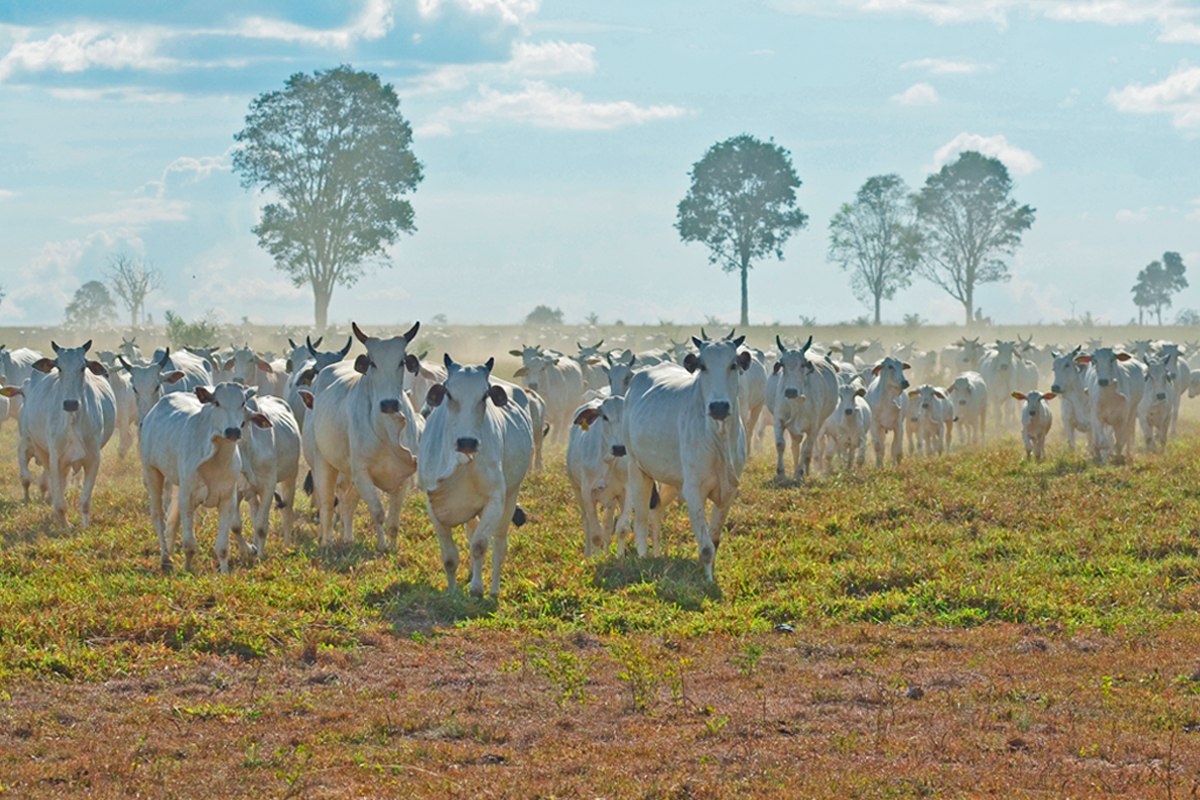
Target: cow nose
point(718, 409)
point(1103, 381)
point(618, 450)
point(791, 394)
point(1161, 395)
point(1056, 388)
point(389, 406)
point(849, 412)
point(903, 384)
point(533, 385)
point(70, 405)
point(467, 445)
point(233, 434)
point(924, 405)
point(1004, 366)
point(1033, 413)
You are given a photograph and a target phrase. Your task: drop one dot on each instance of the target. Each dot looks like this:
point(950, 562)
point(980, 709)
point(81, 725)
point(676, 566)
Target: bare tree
point(131, 280)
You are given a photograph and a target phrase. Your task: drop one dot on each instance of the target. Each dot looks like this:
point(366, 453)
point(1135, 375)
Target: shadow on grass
point(678, 581)
point(41, 527)
point(418, 607)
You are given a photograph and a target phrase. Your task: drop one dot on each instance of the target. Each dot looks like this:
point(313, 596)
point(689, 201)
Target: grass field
point(963, 626)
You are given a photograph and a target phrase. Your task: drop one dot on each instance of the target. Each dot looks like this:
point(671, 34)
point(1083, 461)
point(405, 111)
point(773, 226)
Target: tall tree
point(874, 239)
point(91, 307)
point(1157, 282)
point(334, 150)
point(966, 221)
point(742, 205)
point(132, 279)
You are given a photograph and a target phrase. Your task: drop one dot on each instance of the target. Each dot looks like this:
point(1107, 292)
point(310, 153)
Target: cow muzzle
point(791, 394)
point(1004, 366)
point(467, 445)
point(1056, 388)
point(233, 434)
point(533, 385)
point(849, 412)
point(618, 450)
point(389, 406)
point(1161, 396)
point(903, 384)
point(1103, 381)
point(70, 405)
point(718, 409)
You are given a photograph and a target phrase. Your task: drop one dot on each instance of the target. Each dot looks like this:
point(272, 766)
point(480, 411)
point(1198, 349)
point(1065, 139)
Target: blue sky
point(557, 139)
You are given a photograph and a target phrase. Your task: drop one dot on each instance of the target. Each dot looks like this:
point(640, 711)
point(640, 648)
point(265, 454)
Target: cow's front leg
point(695, 499)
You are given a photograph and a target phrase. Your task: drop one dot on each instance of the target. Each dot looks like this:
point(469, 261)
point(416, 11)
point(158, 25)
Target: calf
point(1158, 401)
point(969, 395)
point(476, 450)
point(847, 427)
point(886, 398)
point(146, 381)
point(190, 440)
point(270, 457)
point(306, 370)
point(558, 380)
point(802, 393)
point(1120, 384)
point(932, 414)
point(1036, 419)
point(599, 471)
point(1074, 383)
point(69, 416)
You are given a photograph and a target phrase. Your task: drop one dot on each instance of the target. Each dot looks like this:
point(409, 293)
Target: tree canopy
point(741, 205)
point(91, 307)
point(1157, 282)
point(544, 315)
point(334, 150)
point(132, 279)
point(874, 239)
point(966, 221)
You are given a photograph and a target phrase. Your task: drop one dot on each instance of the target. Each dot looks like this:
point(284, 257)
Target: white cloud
point(6, 194)
point(946, 66)
point(85, 49)
point(1125, 215)
point(511, 12)
point(150, 202)
point(48, 279)
point(1020, 162)
point(544, 106)
point(1178, 95)
point(762, 52)
point(1070, 100)
point(920, 94)
point(121, 94)
point(552, 58)
point(1194, 214)
point(373, 22)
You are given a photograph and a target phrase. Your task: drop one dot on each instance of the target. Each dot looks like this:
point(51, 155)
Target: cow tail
point(655, 500)
point(546, 430)
point(308, 483)
point(278, 501)
point(519, 518)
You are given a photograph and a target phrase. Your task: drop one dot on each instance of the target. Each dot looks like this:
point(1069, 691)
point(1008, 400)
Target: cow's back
point(167, 433)
point(657, 407)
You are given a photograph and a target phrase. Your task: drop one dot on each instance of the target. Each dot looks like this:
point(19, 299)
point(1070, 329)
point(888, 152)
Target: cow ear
point(306, 397)
point(521, 373)
point(306, 377)
point(412, 364)
point(877, 368)
point(97, 368)
point(173, 377)
point(861, 392)
point(1083, 359)
point(260, 420)
point(435, 395)
point(229, 365)
point(587, 417)
point(778, 366)
point(691, 362)
point(906, 365)
point(516, 353)
point(1018, 395)
point(265, 367)
point(939, 395)
point(498, 395)
point(289, 366)
point(743, 360)
point(11, 391)
point(1049, 396)
point(45, 364)
point(362, 363)
point(913, 393)
point(1123, 356)
point(204, 394)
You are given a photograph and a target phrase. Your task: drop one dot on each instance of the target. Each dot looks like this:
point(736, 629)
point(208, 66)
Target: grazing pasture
point(965, 625)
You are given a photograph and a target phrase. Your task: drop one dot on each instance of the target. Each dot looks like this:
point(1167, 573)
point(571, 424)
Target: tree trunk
point(1160, 316)
point(321, 297)
point(745, 297)
point(1141, 311)
point(969, 304)
point(877, 301)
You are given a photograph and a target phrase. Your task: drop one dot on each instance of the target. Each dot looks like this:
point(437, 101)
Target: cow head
point(1033, 401)
point(1104, 361)
point(147, 380)
point(244, 365)
point(1067, 370)
point(71, 363)
point(718, 366)
point(848, 395)
point(620, 375)
point(1160, 381)
point(793, 368)
point(925, 397)
point(605, 419)
point(383, 367)
point(890, 373)
point(463, 398)
point(227, 411)
point(961, 389)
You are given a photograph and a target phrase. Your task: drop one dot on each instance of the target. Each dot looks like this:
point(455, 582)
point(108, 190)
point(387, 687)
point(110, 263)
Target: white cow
point(69, 416)
point(1181, 378)
point(599, 471)
point(752, 395)
point(1158, 401)
point(847, 428)
point(801, 394)
point(558, 380)
point(1120, 384)
point(270, 458)
point(887, 400)
point(365, 429)
point(476, 450)
point(190, 440)
point(683, 428)
point(306, 368)
point(962, 356)
point(1004, 372)
point(248, 368)
point(197, 370)
point(1074, 383)
point(969, 394)
point(146, 381)
point(1036, 419)
point(125, 399)
point(16, 366)
point(931, 412)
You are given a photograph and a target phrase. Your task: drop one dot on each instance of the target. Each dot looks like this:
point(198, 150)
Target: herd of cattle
point(642, 428)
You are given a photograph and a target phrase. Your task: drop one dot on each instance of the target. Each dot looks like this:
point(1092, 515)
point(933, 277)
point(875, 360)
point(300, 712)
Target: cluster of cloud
point(1018, 161)
point(920, 94)
point(1177, 95)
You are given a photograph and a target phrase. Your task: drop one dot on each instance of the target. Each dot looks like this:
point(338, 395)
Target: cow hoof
point(477, 593)
point(167, 567)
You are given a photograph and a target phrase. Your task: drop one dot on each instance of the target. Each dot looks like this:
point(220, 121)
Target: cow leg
point(347, 505)
point(608, 525)
point(261, 518)
point(229, 519)
point(877, 435)
point(58, 487)
point(755, 413)
point(23, 463)
point(500, 542)
point(325, 489)
point(395, 503)
point(592, 538)
point(288, 512)
point(779, 446)
point(704, 544)
point(366, 488)
point(804, 466)
point(797, 470)
point(153, 480)
point(623, 524)
point(639, 490)
point(91, 468)
point(449, 549)
point(491, 519)
point(898, 443)
point(186, 509)
point(666, 496)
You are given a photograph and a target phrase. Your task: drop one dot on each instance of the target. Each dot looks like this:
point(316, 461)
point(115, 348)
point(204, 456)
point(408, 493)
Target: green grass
point(974, 538)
